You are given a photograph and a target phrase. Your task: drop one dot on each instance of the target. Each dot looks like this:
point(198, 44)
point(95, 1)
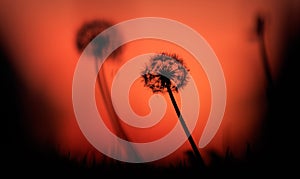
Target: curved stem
point(113, 116)
point(260, 25)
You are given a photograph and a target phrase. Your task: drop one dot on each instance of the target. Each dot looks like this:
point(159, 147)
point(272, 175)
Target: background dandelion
point(89, 33)
point(89, 36)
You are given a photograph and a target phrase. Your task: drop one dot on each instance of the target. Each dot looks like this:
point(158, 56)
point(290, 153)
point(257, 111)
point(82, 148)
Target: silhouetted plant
point(101, 44)
point(167, 73)
point(260, 32)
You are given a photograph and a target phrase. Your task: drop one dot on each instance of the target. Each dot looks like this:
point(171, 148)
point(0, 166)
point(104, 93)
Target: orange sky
point(40, 37)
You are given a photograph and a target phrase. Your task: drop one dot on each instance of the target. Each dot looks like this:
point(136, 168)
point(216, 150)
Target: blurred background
point(256, 42)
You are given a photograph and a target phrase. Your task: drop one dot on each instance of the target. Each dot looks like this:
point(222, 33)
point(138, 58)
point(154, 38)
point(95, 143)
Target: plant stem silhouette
point(105, 92)
point(260, 32)
point(185, 128)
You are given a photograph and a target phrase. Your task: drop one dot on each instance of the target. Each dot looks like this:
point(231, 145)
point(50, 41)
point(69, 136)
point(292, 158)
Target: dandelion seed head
point(165, 70)
point(89, 32)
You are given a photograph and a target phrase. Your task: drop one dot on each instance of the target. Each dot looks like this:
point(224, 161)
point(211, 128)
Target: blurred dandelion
point(101, 44)
point(167, 73)
point(89, 33)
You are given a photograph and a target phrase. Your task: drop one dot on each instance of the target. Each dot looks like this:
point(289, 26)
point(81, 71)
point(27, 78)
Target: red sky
point(40, 37)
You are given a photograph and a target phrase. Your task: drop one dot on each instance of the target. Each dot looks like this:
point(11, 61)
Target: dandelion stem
point(186, 130)
point(113, 116)
point(261, 33)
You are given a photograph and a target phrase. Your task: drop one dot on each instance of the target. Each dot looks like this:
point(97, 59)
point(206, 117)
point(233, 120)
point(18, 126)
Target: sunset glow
point(40, 40)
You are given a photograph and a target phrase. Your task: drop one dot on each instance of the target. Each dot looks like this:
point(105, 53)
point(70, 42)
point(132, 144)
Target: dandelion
point(89, 33)
point(165, 70)
point(167, 73)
